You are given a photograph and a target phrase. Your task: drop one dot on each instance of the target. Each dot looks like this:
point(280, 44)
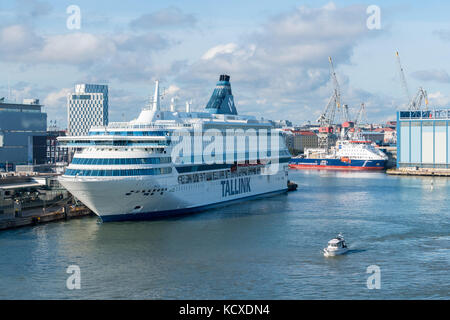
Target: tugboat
point(336, 246)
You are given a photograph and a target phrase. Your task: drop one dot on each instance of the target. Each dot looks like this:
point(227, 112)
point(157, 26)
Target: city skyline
point(276, 54)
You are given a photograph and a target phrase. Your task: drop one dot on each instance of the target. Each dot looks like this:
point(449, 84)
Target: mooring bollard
point(36, 220)
point(66, 211)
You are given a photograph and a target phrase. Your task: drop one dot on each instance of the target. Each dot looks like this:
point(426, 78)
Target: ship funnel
point(221, 101)
point(156, 97)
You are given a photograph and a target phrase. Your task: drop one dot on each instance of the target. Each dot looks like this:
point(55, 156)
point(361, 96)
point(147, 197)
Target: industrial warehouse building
point(23, 130)
point(423, 139)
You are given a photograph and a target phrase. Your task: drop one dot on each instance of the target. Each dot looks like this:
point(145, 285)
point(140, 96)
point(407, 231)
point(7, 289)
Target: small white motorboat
point(336, 246)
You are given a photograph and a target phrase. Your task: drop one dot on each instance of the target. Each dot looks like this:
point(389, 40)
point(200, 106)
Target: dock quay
point(31, 199)
point(391, 152)
point(433, 172)
point(35, 217)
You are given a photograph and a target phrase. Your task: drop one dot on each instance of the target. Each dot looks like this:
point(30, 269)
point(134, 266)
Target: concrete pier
point(38, 216)
point(433, 172)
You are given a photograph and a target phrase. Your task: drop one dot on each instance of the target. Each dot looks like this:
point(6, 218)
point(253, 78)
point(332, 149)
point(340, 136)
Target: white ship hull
point(167, 163)
point(109, 200)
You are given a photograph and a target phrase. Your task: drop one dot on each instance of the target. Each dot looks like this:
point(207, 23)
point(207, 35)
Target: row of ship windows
point(117, 143)
point(113, 173)
point(217, 175)
point(165, 133)
point(242, 156)
point(129, 133)
point(89, 161)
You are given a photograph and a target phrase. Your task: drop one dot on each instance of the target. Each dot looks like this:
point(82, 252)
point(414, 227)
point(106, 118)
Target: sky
point(276, 53)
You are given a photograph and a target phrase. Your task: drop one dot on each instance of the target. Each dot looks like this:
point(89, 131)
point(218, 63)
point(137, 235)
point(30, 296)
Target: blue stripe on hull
point(178, 212)
point(339, 163)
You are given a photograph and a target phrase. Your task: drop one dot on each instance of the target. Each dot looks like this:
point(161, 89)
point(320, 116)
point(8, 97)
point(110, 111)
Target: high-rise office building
point(87, 107)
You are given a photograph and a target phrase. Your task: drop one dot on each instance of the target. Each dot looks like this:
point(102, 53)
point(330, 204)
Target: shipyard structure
point(423, 140)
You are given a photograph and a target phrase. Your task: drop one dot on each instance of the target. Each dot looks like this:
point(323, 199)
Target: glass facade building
point(423, 139)
point(23, 127)
point(87, 107)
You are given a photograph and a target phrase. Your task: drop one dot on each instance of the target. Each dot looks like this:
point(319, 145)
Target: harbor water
point(259, 249)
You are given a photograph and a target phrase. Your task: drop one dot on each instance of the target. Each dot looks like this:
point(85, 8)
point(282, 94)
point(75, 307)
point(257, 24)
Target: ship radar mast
point(156, 97)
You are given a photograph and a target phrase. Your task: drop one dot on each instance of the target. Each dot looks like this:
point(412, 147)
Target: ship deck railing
point(122, 125)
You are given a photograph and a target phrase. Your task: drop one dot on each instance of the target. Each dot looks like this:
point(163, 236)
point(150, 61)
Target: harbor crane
point(337, 89)
point(348, 125)
point(346, 112)
point(416, 102)
point(402, 77)
point(361, 115)
point(352, 129)
point(326, 119)
point(421, 95)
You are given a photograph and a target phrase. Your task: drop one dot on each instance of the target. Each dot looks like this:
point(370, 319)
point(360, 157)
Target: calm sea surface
point(259, 249)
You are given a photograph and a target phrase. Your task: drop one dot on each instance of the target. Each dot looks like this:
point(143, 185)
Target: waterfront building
point(54, 152)
point(281, 123)
point(288, 137)
point(87, 107)
point(423, 139)
point(23, 129)
point(390, 136)
point(391, 124)
point(298, 141)
point(305, 140)
point(373, 136)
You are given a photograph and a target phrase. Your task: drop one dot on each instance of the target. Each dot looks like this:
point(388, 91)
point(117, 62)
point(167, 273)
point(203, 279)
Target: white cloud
point(172, 90)
point(437, 99)
point(432, 75)
point(18, 39)
point(75, 48)
point(282, 69)
point(57, 98)
point(121, 56)
point(170, 17)
point(443, 34)
point(32, 8)
point(220, 49)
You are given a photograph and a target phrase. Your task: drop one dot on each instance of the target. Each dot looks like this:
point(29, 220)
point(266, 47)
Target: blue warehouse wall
point(423, 141)
point(18, 128)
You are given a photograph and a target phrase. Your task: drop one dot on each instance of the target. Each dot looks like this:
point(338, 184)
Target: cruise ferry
point(347, 155)
point(170, 162)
